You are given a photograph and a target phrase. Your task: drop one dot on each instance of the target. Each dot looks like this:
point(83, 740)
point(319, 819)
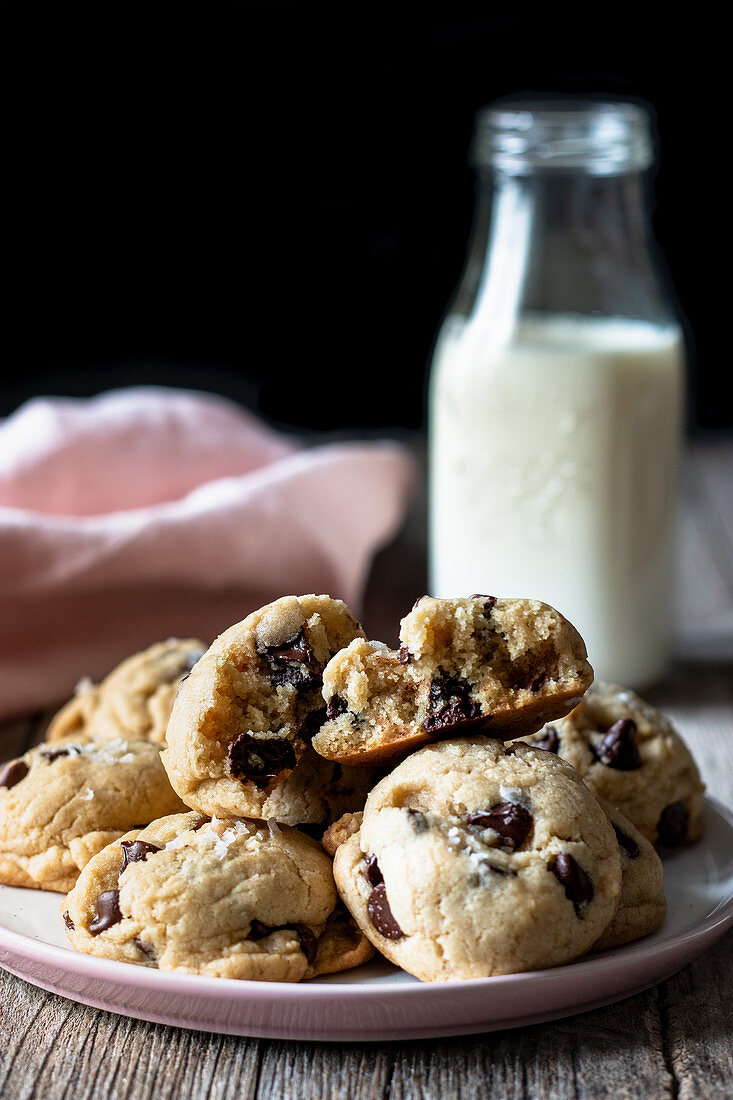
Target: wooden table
point(672, 1041)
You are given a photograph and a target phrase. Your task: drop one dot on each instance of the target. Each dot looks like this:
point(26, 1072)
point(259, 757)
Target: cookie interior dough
point(500, 665)
point(238, 741)
point(227, 898)
point(134, 700)
point(474, 859)
point(630, 754)
point(61, 804)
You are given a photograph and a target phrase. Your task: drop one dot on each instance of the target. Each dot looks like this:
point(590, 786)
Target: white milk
point(553, 465)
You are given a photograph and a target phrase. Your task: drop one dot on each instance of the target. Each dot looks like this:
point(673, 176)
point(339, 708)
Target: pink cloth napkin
point(147, 513)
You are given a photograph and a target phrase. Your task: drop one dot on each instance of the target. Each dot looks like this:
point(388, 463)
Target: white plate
point(377, 1001)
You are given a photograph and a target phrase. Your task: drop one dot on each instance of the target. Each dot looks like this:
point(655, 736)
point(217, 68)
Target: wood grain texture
point(671, 1041)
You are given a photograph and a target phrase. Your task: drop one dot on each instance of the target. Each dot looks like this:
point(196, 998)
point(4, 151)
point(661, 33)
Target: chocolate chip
point(449, 704)
point(258, 930)
point(68, 921)
point(200, 824)
point(550, 742)
point(144, 948)
point(403, 655)
point(309, 725)
point(381, 914)
point(55, 754)
point(489, 602)
point(577, 883)
point(618, 749)
point(308, 942)
point(509, 819)
point(260, 760)
point(293, 662)
point(373, 873)
point(485, 866)
point(673, 824)
point(335, 706)
point(628, 844)
point(418, 820)
point(12, 773)
point(107, 912)
point(135, 851)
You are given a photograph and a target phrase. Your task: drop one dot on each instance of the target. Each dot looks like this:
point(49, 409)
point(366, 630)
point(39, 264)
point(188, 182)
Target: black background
point(273, 200)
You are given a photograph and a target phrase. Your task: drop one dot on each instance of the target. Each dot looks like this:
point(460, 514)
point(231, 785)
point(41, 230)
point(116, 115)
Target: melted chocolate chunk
point(672, 827)
point(135, 851)
point(373, 873)
point(577, 883)
point(380, 914)
point(12, 773)
point(260, 760)
point(68, 921)
point(107, 912)
point(618, 749)
point(418, 820)
point(509, 819)
point(550, 742)
point(628, 844)
point(309, 726)
point(403, 655)
point(449, 704)
point(308, 942)
point(335, 706)
point(293, 662)
point(258, 930)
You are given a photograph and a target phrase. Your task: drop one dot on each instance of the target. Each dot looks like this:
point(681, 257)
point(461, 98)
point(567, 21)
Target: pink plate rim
point(230, 989)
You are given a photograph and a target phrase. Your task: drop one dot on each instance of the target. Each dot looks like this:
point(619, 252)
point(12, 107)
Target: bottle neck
point(562, 242)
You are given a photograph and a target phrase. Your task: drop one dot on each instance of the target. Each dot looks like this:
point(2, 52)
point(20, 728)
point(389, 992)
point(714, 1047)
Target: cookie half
point(227, 898)
point(505, 666)
point(239, 737)
point(61, 804)
point(630, 754)
point(474, 858)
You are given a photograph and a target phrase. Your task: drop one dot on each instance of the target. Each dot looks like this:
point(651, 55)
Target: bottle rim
point(602, 137)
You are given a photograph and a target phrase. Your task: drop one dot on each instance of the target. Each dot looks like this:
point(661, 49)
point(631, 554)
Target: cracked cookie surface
point(226, 898)
point(61, 804)
point(500, 665)
point(134, 700)
point(630, 754)
point(475, 858)
point(239, 737)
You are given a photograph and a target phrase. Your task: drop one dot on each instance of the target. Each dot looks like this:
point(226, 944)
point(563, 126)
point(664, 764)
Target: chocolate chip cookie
point(61, 804)
point(475, 858)
point(630, 754)
point(500, 665)
point(239, 737)
point(226, 898)
point(642, 906)
point(134, 700)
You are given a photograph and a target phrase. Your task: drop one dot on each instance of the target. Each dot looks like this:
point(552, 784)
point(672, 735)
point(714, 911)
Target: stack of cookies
point(467, 805)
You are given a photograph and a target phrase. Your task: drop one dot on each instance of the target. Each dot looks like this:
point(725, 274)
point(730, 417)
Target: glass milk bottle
point(556, 389)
